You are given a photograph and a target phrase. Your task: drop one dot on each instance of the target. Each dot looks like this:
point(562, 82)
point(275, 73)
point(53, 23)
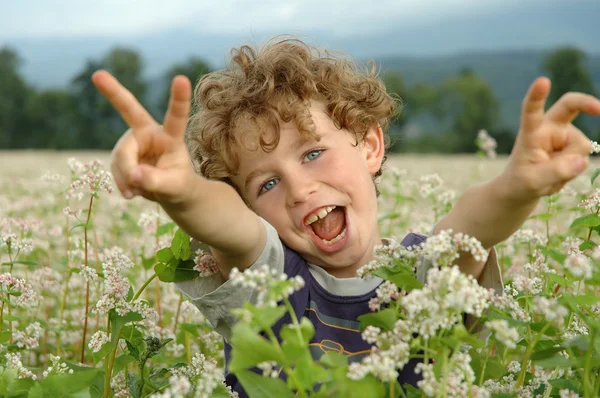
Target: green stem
point(111, 363)
point(144, 286)
point(87, 285)
point(287, 370)
point(588, 363)
point(528, 353)
point(290, 309)
point(62, 312)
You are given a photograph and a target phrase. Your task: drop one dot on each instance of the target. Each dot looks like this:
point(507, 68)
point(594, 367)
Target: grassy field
point(66, 263)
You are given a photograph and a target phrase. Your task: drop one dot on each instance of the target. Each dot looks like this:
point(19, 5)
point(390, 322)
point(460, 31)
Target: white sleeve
point(215, 298)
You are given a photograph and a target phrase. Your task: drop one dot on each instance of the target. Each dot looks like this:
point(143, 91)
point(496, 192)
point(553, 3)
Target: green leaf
point(561, 280)
point(546, 353)
point(588, 221)
point(190, 328)
point(334, 359)
point(5, 336)
point(553, 254)
point(148, 262)
point(557, 361)
point(263, 387)
point(121, 362)
point(164, 255)
point(588, 244)
point(185, 271)
point(134, 385)
point(159, 378)
point(130, 293)
point(582, 299)
point(308, 373)
point(165, 228)
point(564, 384)
point(249, 348)
point(402, 276)
point(595, 174)
point(265, 318)
point(542, 216)
point(384, 319)
point(133, 350)
point(368, 386)
point(180, 245)
point(64, 385)
point(102, 353)
point(23, 262)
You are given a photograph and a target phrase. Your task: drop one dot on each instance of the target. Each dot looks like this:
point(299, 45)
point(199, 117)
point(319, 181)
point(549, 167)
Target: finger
point(562, 169)
point(176, 117)
point(532, 109)
point(566, 109)
point(577, 142)
point(152, 180)
point(134, 114)
point(124, 160)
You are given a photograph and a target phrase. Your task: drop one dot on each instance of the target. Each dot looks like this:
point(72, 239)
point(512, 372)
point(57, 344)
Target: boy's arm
point(151, 160)
point(548, 152)
point(487, 212)
point(216, 215)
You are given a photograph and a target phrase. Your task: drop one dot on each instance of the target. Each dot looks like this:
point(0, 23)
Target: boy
point(286, 145)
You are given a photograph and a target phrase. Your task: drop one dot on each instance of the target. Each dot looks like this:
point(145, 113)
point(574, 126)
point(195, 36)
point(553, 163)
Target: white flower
point(550, 309)
point(272, 286)
point(579, 266)
point(448, 295)
point(504, 333)
point(97, 340)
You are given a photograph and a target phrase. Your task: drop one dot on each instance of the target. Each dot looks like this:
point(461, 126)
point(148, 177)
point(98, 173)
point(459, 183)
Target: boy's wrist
point(510, 190)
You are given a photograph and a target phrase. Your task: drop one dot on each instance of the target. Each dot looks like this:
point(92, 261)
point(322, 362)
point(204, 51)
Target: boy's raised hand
point(549, 151)
point(150, 159)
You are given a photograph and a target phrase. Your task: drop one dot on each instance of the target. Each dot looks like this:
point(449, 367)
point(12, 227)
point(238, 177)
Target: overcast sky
point(68, 18)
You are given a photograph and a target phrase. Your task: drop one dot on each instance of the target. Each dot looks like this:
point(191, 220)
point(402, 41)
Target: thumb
point(564, 168)
point(151, 180)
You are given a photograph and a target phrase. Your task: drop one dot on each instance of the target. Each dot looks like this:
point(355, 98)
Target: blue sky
point(73, 18)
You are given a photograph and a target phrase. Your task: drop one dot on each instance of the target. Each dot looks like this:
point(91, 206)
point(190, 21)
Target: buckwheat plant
point(72, 253)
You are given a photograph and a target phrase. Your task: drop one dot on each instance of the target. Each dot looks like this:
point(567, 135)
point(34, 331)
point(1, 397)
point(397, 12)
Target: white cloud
point(42, 18)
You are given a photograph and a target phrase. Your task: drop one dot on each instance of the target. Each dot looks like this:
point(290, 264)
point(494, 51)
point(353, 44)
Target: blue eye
point(312, 155)
point(267, 186)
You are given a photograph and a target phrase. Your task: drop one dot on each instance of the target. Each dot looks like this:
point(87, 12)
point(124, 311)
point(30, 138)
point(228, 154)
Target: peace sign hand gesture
point(149, 159)
point(549, 151)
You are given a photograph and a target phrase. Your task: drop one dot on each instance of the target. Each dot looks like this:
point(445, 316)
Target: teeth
point(311, 219)
point(332, 241)
point(320, 214)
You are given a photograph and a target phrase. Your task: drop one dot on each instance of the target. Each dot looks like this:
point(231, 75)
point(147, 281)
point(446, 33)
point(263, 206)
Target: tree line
point(78, 117)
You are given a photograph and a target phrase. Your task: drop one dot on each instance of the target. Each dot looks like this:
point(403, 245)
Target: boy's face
point(329, 181)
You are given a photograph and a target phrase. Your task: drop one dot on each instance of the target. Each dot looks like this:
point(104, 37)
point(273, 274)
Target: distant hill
point(509, 73)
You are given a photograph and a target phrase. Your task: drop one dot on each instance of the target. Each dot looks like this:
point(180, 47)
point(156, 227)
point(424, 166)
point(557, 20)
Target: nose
point(299, 187)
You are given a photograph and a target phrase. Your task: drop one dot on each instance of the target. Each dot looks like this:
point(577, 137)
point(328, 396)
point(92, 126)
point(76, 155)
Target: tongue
point(331, 226)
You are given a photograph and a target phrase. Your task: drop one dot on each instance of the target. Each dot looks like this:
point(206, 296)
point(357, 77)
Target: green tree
point(100, 125)
point(194, 68)
point(567, 69)
point(14, 94)
point(52, 121)
point(91, 121)
point(466, 104)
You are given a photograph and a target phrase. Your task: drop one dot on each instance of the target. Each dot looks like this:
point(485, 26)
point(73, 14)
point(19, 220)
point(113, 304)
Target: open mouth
point(328, 225)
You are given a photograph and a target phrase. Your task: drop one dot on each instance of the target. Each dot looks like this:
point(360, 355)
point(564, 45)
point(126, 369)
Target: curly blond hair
point(277, 83)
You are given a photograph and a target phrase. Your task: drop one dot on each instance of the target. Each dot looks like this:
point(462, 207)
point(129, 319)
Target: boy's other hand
point(150, 159)
point(549, 151)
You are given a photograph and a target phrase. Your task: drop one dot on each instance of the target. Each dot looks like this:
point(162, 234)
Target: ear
point(374, 148)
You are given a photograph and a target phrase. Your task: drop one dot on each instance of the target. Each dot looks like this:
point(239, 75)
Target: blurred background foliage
point(445, 101)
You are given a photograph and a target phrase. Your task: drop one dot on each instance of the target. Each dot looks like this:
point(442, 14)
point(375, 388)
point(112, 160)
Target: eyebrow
point(301, 141)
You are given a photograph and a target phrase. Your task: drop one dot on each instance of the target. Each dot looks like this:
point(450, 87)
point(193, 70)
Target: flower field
point(87, 308)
